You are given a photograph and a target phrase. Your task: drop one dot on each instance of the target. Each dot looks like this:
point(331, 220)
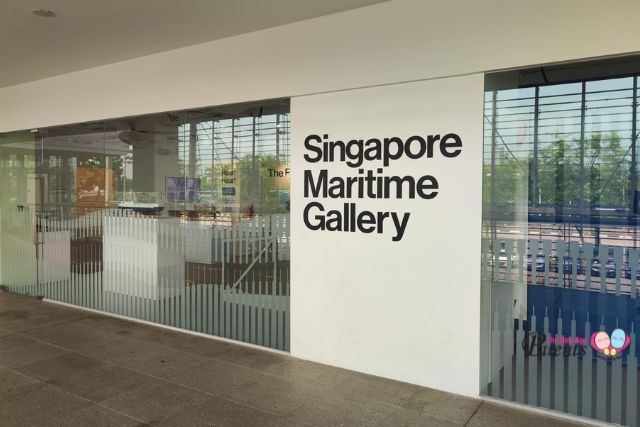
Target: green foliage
point(559, 174)
point(208, 178)
point(605, 180)
point(257, 187)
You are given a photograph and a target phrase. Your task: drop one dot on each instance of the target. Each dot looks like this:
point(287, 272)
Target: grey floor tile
point(98, 416)
point(272, 394)
point(10, 317)
point(107, 323)
point(121, 350)
point(33, 314)
point(375, 388)
point(11, 313)
point(125, 328)
point(38, 405)
point(154, 334)
point(309, 404)
point(317, 408)
point(107, 383)
point(407, 417)
point(18, 350)
point(33, 323)
point(10, 380)
point(144, 337)
point(86, 377)
point(11, 300)
point(251, 358)
point(5, 332)
point(208, 347)
point(425, 402)
point(155, 403)
point(220, 412)
point(163, 361)
point(215, 377)
point(307, 372)
point(83, 358)
point(146, 357)
point(73, 336)
point(490, 414)
point(61, 366)
point(444, 406)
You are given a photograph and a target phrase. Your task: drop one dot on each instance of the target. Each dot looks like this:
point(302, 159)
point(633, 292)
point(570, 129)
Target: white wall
point(407, 310)
point(390, 42)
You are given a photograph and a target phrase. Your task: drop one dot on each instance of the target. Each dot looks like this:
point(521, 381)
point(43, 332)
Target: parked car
point(627, 268)
point(610, 268)
point(503, 259)
point(595, 268)
point(567, 265)
point(540, 262)
point(627, 272)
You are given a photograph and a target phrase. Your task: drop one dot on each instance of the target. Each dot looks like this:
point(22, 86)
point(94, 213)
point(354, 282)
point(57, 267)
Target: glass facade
point(560, 257)
point(178, 218)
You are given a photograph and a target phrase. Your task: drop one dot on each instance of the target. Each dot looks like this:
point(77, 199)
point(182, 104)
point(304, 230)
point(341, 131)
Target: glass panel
point(234, 193)
point(80, 182)
point(178, 218)
point(560, 247)
point(21, 194)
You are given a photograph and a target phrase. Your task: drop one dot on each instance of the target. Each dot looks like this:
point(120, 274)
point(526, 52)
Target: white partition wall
point(405, 309)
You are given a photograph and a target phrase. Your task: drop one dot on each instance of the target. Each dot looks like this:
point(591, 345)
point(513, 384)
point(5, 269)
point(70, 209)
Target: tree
point(606, 173)
point(558, 174)
point(258, 184)
point(605, 180)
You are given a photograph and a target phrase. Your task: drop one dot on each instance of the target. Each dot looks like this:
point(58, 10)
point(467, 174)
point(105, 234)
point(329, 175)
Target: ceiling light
point(43, 13)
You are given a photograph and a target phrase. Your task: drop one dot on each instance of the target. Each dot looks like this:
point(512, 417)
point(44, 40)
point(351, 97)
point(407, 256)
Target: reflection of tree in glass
point(257, 185)
point(121, 181)
point(606, 174)
point(609, 171)
point(559, 174)
point(508, 179)
point(208, 178)
point(254, 182)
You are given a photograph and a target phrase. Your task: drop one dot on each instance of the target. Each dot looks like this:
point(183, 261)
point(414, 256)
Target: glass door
point(75, 185)
point(178, 218)
point(20, 202)
point(560, 240)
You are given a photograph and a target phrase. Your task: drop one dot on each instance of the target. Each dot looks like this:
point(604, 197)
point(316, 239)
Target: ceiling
point(89, 33)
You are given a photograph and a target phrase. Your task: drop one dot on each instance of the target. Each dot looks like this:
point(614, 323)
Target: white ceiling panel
point(89, 33)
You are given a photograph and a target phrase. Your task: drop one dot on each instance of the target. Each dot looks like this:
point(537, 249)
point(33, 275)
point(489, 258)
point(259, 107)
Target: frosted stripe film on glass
point(143, 274)
point(177, 218)
point(561, 258)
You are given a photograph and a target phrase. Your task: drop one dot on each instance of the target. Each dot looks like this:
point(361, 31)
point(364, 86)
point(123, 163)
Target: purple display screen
point(181, 189)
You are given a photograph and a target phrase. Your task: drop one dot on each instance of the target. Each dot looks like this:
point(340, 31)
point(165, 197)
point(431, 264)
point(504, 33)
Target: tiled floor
point(63, 366)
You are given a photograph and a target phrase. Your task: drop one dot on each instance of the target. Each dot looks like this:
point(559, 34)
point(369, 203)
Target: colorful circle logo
point(618, 338)
point(610, 346)
point(602, 340)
